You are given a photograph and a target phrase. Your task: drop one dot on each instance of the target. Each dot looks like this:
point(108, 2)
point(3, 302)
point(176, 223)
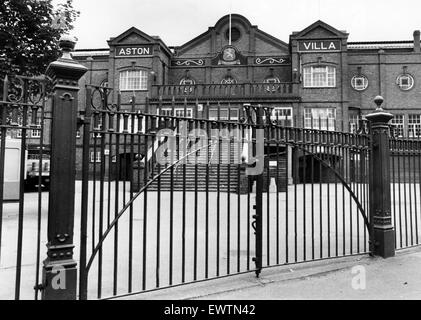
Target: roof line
point(381, 42)
point(101, 49)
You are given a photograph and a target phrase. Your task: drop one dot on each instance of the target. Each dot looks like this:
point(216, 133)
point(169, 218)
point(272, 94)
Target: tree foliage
point(29, 34)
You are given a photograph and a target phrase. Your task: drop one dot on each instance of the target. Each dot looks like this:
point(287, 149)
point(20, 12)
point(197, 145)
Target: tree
point(29, 34)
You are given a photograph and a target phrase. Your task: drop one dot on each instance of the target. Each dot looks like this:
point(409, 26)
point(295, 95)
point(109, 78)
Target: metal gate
point(24, 182)
point(167, 200)
point(207, 199)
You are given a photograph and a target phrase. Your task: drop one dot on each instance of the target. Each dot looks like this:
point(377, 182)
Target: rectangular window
point(19, 133)
point(37, 133)
point(414, 125)
point(320, 118)
point(283, 116)
point(354, 120)
point(97, 134)
point(213, 114)
point(133, 80)
point(319, 77)
point(165, 112)
point(95, 156)
point(398, 124)
point(233, 114)
point(181, 112)
point(224, 114)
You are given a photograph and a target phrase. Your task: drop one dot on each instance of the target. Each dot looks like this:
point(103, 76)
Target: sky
point(178, 21)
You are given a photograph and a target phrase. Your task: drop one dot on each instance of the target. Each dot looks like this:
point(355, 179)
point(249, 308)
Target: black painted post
point(258, 217)
point(383, 233)
point(60, 269)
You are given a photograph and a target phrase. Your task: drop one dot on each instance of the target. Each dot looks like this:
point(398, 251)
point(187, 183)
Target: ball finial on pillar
point(67, 44)
point(378, 100)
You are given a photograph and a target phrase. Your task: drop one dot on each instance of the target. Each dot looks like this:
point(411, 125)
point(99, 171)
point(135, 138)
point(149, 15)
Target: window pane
point(319, 76)
point(398, 124)
point(283, 116)
point(320, 118)
point(414, 125)
point(133, 80)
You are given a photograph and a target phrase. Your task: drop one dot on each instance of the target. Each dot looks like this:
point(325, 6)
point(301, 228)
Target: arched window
point(133, 80)
point(319, 77)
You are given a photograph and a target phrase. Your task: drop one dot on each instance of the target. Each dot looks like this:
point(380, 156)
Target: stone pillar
point(60, 269)
point(382, 230)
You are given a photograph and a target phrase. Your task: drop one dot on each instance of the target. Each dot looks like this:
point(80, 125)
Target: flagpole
point(230, 29)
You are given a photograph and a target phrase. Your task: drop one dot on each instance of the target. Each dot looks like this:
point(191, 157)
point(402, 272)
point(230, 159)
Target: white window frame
point(188, 110)
point(414, 125)
point(96, 135)
point(134, 80)
point(36, 133)
point(278, 114)
point(405, 86)
point(229, 114)
point(319, 77)
point(353, 120)
point(95, 156)
point(356, 85)
point(314, 120)
point(398, 121)
point(19, 133)
point(165, 112)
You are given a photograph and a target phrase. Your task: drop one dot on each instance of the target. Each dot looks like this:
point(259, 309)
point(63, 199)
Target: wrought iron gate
point(206, 199)
point(24, 182)
point(168, 200)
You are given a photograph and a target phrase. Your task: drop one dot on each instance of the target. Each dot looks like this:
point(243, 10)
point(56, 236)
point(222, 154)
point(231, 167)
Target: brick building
point(318, 79)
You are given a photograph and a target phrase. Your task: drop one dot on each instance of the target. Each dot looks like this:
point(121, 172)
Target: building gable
point(319, 30)
point(131, 36)
point(252, 40)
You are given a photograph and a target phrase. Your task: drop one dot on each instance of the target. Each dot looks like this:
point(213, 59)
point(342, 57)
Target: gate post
point(60, 269)
point(258, 207)
point(382, 230)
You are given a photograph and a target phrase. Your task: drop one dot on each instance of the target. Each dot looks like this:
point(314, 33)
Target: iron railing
point(23, 101)
point(188, 211)
point(405, 173)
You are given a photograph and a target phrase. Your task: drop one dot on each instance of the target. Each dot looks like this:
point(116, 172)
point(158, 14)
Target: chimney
point(417, 41)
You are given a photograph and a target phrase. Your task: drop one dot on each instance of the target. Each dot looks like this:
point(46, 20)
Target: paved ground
point(394, 278)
